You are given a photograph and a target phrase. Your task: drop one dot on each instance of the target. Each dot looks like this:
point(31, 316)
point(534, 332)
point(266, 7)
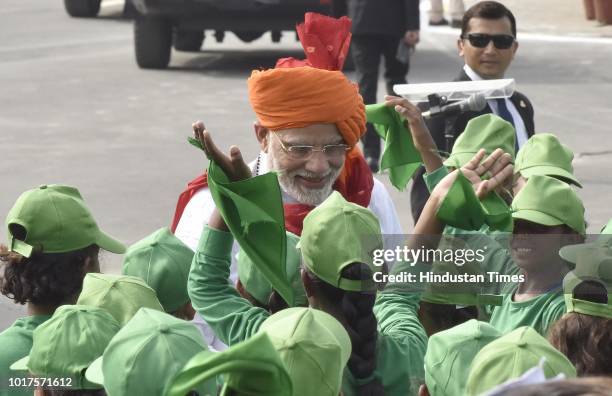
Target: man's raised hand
point(233, 165)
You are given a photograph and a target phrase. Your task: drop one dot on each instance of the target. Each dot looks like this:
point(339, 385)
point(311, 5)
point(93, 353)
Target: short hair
point(487, 10)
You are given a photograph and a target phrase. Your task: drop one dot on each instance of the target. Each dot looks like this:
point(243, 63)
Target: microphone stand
point(436, 102)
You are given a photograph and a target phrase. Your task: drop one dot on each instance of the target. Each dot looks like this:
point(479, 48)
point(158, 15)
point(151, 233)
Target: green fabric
point(548, 201)
point(120, 295)
point(488, 132)
point(543, 154)
point(450, 353)
point(163, 262)
point(253, 211)
point(399, 154)
point(432, 179)
point(230, 316)
point(252, 367)
point(461, 208)
point(65, 345)
point(400, 347)
point(313, 345)
point(146, 354)
point(255, 282)
point(15, 343)
point(338, 233)
point(511, 356)
point(539, 312)
point(55, 220)
point(595, 265)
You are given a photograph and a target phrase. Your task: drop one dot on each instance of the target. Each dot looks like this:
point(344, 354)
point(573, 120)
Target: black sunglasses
point(481, 40)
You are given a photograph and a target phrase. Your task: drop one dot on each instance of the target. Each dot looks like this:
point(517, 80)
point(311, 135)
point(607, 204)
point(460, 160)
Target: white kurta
point(201, 205)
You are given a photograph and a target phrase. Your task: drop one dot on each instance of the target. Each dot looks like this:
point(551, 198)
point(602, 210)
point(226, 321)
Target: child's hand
point(420, 134)
point(497, 165)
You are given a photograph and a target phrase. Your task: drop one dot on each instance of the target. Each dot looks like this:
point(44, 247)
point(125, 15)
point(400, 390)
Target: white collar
point(471, 73)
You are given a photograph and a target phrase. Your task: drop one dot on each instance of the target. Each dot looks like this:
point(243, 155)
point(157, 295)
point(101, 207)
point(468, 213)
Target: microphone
point(475, 102)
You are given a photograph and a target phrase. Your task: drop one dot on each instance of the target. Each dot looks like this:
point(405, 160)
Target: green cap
point(163, 262)
point(543, 154)
point(314, 347)
point(252, 367)
point(488, 132)
point(119, 295)
point(510, 356)
point(548, 201)
point(572, 253)
point(450, 353)
point(593, 263)
point(256, 284)
point(399, 155)
point(66, 344)
point(254, 213)
point(338, 233)
point(54, 219)
point(146, 354)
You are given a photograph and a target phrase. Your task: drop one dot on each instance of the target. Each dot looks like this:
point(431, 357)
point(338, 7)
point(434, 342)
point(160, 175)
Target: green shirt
point(15, 343)
point(401, 339)
point(539, 312)
point(400, 348)
point(232, 318)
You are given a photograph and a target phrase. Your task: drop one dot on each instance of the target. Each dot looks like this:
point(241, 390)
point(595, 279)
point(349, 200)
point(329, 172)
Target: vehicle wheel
point(152, 42)
point(188, 40)
point(247, 37)
point(82, 8)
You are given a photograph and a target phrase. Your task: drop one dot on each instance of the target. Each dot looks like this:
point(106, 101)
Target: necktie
point(504, 113)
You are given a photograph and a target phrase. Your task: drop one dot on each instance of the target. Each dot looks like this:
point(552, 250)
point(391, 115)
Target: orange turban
point(296, 97)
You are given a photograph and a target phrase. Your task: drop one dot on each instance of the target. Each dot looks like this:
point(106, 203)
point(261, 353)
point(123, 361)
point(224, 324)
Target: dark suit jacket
point(454, 126)
point(383, 17)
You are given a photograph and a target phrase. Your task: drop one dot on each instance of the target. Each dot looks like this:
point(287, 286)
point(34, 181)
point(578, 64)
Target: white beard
point(307, 196)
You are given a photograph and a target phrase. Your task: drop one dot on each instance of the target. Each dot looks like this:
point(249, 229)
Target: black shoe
point(456, 24)
point(373, 164)
point(441, 22)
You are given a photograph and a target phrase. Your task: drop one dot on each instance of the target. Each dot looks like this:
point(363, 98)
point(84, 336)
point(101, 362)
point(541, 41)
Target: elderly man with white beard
point(310, 118)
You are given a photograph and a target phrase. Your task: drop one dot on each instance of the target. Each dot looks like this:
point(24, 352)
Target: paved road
point(75, 109)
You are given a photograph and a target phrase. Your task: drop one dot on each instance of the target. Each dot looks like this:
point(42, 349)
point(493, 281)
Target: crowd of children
point(305, 316)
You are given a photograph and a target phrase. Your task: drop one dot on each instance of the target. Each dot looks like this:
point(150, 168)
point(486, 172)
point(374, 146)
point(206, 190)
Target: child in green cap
point(146, 354)
point(543, 154)
point(583, 333)
point(511, 356)
point(120, 295)
point(450, 354)
point(547, 215)
point(53, 242)
point(64, 347)
point(163, 262)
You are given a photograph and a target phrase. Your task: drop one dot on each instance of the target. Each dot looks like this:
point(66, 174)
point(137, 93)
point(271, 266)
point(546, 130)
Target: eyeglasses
point(302, 151)
point(481, 40)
